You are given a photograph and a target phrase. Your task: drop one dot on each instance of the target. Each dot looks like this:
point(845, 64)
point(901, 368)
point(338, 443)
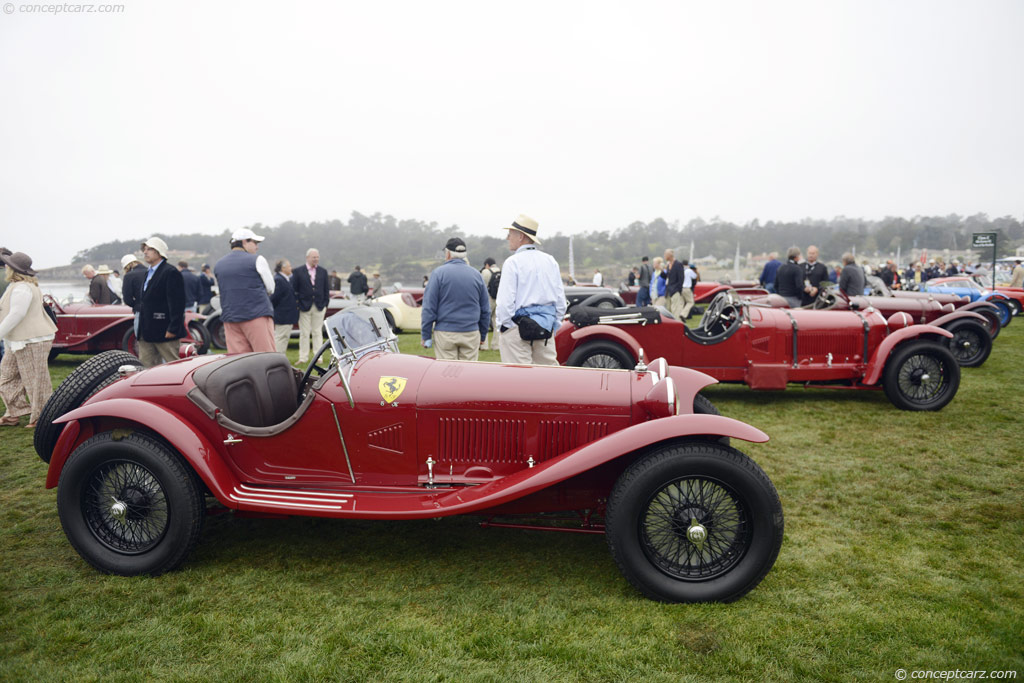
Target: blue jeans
point(643, 296)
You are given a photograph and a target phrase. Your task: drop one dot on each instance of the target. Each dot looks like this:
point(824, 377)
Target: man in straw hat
point(162, 310)
point(531, 298)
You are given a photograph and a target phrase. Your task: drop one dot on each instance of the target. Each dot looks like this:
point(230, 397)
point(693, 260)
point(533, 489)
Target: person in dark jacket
point(767, 278)
point(310, 282)
point(789, 279)
point(205, 288)
point(851, 279)
point(286, 308)
point(131, 285)
point(162, 312)
point(643, 294)
point(815, 273)
point(674, 274)
point(192, 287)
point(358, 285)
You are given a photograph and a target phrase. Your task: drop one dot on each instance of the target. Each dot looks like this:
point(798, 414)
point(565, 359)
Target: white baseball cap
point(245, 234)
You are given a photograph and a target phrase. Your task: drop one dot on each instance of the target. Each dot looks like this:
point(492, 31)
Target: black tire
point(703, 406)
point(603, 300)
point(921, 375)
point(162, 514)
point(995, 326)
point(665, 499)
point(217, 336)
point(129, 344)
point(391, 321)
point(971, 343)
point(201, 335)
point(1015, 307)
point(88, 378)
point(601, 354)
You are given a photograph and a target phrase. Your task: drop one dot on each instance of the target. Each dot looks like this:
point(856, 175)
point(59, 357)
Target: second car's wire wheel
point(602, 360)
point(695, 529)
point(921, 377)
point(125, 507)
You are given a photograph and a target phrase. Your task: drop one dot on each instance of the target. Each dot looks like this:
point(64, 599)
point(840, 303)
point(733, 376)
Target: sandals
point(30, 425)
point(8, 421)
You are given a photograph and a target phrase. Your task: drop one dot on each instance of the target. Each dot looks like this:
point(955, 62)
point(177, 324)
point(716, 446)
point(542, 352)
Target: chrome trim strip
point(293, 506)
point(340, 436)
point(286, 499)
point(247, 490)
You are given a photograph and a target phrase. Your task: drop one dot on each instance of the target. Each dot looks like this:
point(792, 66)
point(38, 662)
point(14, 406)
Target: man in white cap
point(162, 310)
point(531, 299)
point(246, 283)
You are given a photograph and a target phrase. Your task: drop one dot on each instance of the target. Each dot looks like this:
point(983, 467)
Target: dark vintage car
point(638, 454)
point(92, 328)
point(768, 348)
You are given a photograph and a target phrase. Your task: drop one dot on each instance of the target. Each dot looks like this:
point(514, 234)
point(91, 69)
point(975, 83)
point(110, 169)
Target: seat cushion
point(254, 389)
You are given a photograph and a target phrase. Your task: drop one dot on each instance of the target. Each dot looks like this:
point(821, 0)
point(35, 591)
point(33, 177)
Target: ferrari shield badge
point(391, 388)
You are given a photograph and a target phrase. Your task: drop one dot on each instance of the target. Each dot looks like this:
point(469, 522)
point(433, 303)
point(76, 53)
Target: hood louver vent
point(387, 438)
point(475, 440)
point(559, 436)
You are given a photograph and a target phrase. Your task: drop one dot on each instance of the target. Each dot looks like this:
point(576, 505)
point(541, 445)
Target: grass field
point(903, 549)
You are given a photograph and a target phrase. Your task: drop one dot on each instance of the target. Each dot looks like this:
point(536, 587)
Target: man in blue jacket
point(286, 308)
point(456, 311)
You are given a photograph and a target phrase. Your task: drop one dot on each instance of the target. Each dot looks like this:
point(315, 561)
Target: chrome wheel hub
point(697, 533)
point(119, 511)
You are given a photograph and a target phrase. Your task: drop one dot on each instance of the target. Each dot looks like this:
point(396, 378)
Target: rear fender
point(712, 293)
point(608, 332)
point(195, 448)
point(960, 315)
point(589, 456)
point(873, 372)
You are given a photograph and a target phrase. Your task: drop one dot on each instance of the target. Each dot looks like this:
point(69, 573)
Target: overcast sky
point(200, 116)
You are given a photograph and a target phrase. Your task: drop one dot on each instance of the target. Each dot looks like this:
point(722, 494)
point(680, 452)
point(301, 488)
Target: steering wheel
point(311, 367)
point(714, 312)
point(826, 299)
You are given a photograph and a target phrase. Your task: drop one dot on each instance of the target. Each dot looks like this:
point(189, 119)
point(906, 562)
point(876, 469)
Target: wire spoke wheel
point(921, 377)
point(125, 507)
point(695, 529)
point(602, 360)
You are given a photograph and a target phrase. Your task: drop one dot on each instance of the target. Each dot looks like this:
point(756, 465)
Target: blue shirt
point(529, 277)
point(768, 274)
point(455, 300)
point(149, 274)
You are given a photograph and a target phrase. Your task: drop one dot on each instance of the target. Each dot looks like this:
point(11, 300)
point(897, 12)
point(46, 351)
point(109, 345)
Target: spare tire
point(86, 380)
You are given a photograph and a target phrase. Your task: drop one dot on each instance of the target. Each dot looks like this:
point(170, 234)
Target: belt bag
point(530, 329)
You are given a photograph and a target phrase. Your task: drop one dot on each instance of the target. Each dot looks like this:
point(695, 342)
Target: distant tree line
point(405, 250)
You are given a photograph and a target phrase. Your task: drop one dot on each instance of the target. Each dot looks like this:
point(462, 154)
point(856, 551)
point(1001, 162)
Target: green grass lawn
point(903, 549)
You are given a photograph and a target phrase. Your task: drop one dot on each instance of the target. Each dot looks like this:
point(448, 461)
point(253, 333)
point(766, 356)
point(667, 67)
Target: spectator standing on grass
point(357, 284)
point(658, 283)
point(376, 286)
point(643, 280)
point(488, 273)
point(673, 273)
point(162, 310)
point(286, 308)
point(192, 287)
point(815, 273)
point(27, 333)
point(767, 278)
point(334, 281)
point(131, 286)
point(455, 311)
point(531, 298)
point(789, 278)
point(206, 283)
point(246, 283)
point(312, 293)
point(1017, 278)
point(99, 292)
point(115, 285)
point(851, 279)
point(598, 278)
point(686, 293)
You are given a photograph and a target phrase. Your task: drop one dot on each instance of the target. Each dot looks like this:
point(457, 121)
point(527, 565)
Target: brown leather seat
point(254, 389)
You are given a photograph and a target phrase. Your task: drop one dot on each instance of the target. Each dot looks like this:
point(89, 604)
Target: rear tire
point(694, 522)
point(129, 344)
point(601, 354)
point(129, 505)
point(201, 335)
point(703, 406)
point(971, 343)
point(217, 334)
point(921, 375)
point(88, 378)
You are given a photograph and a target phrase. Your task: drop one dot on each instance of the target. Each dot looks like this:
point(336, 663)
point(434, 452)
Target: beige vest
point(35, 323)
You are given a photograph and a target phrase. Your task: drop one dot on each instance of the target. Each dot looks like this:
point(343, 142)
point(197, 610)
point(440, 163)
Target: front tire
point(601, 354)
point(129, 505)
point(88, 378)
point(695, 522)
point(971, 343)
point(921, 375)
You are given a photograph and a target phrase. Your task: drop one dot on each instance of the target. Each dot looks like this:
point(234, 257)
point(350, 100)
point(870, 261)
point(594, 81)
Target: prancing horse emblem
point(391, 388)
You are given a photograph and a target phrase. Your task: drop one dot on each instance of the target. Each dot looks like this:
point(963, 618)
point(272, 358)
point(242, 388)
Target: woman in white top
point(27, 333)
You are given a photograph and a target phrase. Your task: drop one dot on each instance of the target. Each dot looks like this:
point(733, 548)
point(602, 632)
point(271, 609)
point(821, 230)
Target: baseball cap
point(245, 234)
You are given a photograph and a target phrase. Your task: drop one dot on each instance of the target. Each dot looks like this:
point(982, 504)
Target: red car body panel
point(92, 328)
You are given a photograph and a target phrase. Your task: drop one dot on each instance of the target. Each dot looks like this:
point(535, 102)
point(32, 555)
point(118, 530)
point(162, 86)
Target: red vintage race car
point(768, 348)
point(92, 328)
point(375, 434)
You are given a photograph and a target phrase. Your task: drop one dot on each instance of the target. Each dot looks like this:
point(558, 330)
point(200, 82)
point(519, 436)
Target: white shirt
point(688, 276)
point(528, 278)
point(114, 284)
point(263, 268)
point(598, 279)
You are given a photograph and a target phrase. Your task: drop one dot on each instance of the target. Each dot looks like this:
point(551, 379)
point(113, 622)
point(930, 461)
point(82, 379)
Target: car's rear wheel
point(129, 343)
point(88, 378)
point(217, 334)
point(971, 343)
point(921, 375)
point(995, 326)
point(201, 335)
point(694, 523)
point(129, 505)
point(601, 354)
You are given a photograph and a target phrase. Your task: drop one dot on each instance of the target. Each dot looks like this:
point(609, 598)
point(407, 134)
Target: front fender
point(874, 369)
point(960, 315)
point(979, 307)
point(610, 332)
point(195, 448)
point(589, 456)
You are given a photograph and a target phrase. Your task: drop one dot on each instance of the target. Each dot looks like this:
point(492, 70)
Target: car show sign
point(986, 240)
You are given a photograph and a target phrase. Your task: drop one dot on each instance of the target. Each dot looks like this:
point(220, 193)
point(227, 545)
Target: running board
point(289, 499)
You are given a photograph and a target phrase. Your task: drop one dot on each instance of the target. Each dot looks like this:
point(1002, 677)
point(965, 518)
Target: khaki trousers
point(675, 305)
point(492, 341)
point(25, 383)
point(456, 345)
point(152, 354)
point(311, 324)
point(251, 335)
point(687, 294)
point(516, 350)
point(660, 301)
point(282, 335)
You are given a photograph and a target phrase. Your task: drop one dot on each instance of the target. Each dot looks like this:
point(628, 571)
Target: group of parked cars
point(620, 442)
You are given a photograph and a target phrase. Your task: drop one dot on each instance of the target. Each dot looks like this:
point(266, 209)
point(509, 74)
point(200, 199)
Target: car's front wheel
point(971, 343)
point(921, 375)
point(697, 522)
point(129, 505)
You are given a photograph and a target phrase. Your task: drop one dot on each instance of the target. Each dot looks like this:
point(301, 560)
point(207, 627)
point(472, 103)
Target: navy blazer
point(307, 293)
point(131, 287)
point(163, 305)
point(286, 308)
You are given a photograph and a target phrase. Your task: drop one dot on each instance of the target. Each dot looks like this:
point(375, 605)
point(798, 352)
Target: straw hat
point(525, 225)
point(104, 270)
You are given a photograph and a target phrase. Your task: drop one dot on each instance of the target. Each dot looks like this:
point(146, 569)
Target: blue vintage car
point(965, 285)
